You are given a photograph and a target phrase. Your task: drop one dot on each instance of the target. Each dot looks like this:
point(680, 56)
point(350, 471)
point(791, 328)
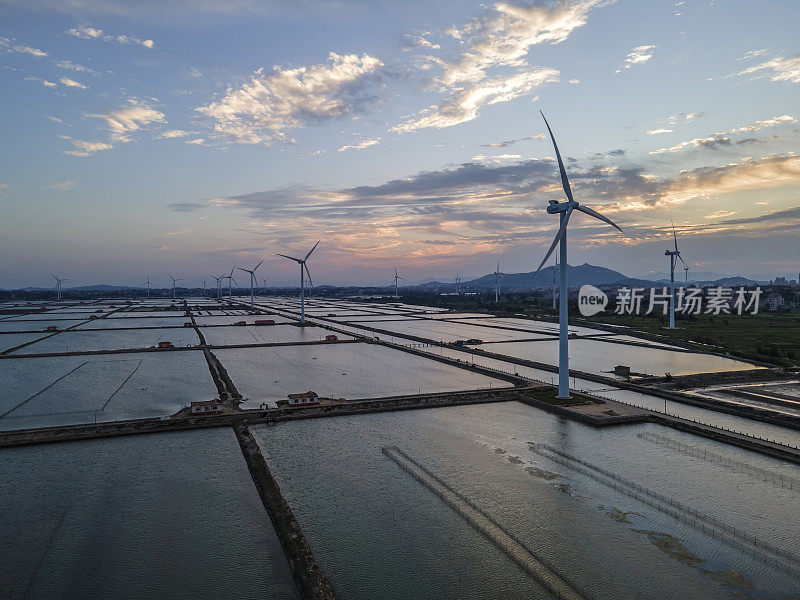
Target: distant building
point(331, 338)
point(206, 406)
point(265, 322)
point(780, 281)
point(165, 344)
point(305, 398)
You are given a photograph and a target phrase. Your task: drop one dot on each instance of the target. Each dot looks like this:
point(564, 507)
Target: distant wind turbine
point(148, 285)
point(674, 255)
point(252, 280)
point(59, 281)
point(497, 283)
point(173, 285)
point(686, 271)
point(458, 283)
point(204, 286)
point(396, 278)
point(565, 210)
point(219, 284)
point(230, 279)
point(302, 263)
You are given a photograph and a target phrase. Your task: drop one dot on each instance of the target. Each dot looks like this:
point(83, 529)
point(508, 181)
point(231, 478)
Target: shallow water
point(377, 532)
point(158, 516)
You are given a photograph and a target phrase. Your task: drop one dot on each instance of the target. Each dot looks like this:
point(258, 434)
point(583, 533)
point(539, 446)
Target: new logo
point(591, 300)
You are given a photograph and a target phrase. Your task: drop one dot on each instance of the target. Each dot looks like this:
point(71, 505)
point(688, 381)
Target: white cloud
point(465, 105)
point(360, 145)
point(262, 110)
point(720, 139)
point(783, 69)
point(84, 148)
point(57, 120)
point(496, 158)
point(44, 82)
point(10, 45)
point(492, 64)
point(172, 133)
point(72, 83)
point(68, 64)
point(574, 81)
point(418, 41)
point(63, 186)
point(196, 142)
point(133, 117)
point(90, 33)
point(640, 54)
point(661, 130)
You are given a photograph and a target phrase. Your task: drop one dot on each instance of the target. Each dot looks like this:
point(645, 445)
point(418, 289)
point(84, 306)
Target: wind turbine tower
point(564, 210)
point(252, 280)
point(148, 285)
point(396, 279)
point(219, 284)
point(302, 263)
point(59, 281)
point(204, 286)
point(173, 285)
point(555, 268)
point(497, 283)
point(674, 255)
point(458, 284)
point(686, 272)
point(230, 279)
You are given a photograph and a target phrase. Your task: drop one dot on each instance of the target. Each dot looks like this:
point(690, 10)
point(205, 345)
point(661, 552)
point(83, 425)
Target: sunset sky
point(146, 138)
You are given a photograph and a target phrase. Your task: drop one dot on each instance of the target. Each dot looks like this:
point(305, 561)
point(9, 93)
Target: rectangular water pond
point(111, 339)
point(173, 515)
point(349, 371)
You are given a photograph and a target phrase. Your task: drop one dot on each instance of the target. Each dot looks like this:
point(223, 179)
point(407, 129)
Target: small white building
point(206, 406)
point(305, 398)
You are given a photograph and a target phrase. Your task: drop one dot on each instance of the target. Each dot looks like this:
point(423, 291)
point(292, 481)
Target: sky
point(185, 137)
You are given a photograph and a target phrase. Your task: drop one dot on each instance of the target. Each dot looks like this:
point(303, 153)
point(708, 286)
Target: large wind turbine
point(396, 279)
point(302, 263)
point(674, 255)
point(59, 281)
point(252, 280)
point(173, 285)
point(497, 283)
point(565, 210)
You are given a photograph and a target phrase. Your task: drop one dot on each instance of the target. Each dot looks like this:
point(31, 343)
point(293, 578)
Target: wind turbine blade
point(561, 231)
point(305, 266)
point(564, 180)
point(674, 236)
point(597, 215)
point(310, 251)
point(256, 267)
point(683, 261)
point(299, 260)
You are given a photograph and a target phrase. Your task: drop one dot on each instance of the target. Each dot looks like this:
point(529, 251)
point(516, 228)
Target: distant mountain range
point(584, 274)
point(578, 275)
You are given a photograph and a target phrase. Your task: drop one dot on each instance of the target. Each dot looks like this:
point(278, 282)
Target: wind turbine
point(458, 284)
point(686, 271)
point(252, 280)
point(396, 278)
point(674, 255)
point(565, 210)
point(302, 263)
point(59, 281)
point(497, 283)
point(219, 284)
point(173, 285)
point(230, 279)
point(148, 285)
point(264, 281)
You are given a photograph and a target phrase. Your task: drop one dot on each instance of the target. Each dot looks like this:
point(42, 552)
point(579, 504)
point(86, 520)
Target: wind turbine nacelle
point(556, 207)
